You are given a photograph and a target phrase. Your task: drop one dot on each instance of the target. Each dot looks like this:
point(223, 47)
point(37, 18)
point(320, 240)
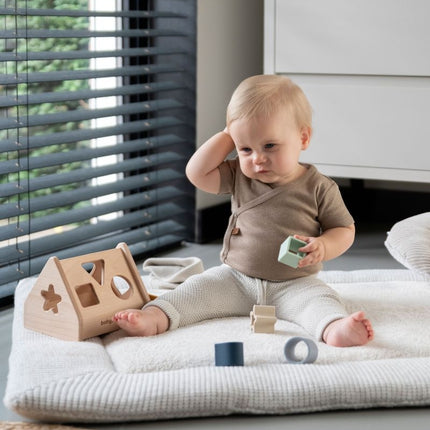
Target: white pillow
point(409, 243)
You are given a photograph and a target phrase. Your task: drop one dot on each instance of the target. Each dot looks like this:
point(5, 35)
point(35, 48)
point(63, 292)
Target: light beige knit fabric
point(168, 273)
point(224, 292)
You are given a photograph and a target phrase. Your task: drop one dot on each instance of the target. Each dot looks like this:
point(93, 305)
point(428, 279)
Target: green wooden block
point(289, 253)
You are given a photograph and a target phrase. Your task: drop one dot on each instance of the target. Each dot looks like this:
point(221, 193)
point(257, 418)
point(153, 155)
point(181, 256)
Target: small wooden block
point(263, 319)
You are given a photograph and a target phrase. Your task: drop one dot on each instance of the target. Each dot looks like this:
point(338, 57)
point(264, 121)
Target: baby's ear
point(305, 135)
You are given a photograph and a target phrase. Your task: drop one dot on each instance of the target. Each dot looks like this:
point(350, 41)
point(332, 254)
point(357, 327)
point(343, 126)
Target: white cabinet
point(365, 67)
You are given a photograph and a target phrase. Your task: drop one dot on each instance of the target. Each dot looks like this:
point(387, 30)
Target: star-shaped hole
point(51, 299)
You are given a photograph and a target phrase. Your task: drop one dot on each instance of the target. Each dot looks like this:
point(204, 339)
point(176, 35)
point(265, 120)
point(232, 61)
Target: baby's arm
point(202, 168)
point(332, 243)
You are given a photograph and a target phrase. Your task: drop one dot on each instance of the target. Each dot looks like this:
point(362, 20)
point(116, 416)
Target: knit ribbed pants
point(224, 292)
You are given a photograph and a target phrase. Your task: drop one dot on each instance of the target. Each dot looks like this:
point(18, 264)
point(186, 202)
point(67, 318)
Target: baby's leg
point(316, 307)
point(214, 293)
point(353, 330)
point(142, 322)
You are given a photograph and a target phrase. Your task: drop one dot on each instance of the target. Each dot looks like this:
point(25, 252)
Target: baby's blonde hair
point(263, 95)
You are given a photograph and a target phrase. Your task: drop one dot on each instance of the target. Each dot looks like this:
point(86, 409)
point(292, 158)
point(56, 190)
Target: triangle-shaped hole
point(96, 269)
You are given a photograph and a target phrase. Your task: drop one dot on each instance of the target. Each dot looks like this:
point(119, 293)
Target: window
point(97, 104)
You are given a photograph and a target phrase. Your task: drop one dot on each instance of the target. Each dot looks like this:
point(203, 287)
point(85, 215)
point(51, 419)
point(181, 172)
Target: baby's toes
point(369, 328)
point(132, 318)
point(122, 315)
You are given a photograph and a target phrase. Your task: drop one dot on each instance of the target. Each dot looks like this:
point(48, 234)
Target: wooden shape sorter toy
point(75, 298)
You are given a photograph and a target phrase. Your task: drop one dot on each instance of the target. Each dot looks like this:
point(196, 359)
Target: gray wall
point(229, 49)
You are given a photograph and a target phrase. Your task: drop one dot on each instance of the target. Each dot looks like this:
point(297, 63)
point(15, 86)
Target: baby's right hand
point(315, 250)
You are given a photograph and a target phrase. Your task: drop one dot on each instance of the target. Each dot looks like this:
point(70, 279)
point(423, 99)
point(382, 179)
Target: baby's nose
point(259, 158)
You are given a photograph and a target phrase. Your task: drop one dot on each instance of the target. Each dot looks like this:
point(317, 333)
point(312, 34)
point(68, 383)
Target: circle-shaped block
point(229, 354)
point(290, 350)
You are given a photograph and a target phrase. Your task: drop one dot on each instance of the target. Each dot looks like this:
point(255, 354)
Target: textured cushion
point(115, 378)
point(409, 243)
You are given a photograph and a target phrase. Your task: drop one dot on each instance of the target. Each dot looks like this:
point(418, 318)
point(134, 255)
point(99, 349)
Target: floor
point(368, 252)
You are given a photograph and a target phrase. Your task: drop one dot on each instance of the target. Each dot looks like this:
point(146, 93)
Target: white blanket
point(117, 378)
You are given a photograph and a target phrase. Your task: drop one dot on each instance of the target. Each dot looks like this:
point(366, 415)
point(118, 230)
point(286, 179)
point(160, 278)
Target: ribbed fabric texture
point(54, 380)
point(408, 242)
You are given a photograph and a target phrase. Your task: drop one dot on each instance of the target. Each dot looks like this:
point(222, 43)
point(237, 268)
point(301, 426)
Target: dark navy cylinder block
point(229, 354)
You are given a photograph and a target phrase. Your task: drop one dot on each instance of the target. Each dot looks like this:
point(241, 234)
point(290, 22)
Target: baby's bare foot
point(354, 330)
point(138, 322)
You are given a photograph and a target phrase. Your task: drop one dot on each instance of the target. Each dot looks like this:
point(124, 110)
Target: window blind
point(97, 122)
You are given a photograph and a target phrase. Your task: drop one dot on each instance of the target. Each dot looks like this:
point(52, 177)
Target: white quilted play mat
point(116, 378)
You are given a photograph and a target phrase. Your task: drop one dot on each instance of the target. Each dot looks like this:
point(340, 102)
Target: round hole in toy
point(121, 287)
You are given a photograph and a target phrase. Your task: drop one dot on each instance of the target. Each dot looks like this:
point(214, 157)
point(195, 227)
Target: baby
point(269, 123)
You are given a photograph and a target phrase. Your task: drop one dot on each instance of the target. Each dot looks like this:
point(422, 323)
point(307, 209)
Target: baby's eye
point(245, 150)
point(269, 145)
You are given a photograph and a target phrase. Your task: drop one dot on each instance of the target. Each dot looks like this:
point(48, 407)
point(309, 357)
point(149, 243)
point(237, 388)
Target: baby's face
point(269, 149)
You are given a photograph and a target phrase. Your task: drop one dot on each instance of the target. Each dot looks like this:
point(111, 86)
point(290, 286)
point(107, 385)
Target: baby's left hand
point(314, 249)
